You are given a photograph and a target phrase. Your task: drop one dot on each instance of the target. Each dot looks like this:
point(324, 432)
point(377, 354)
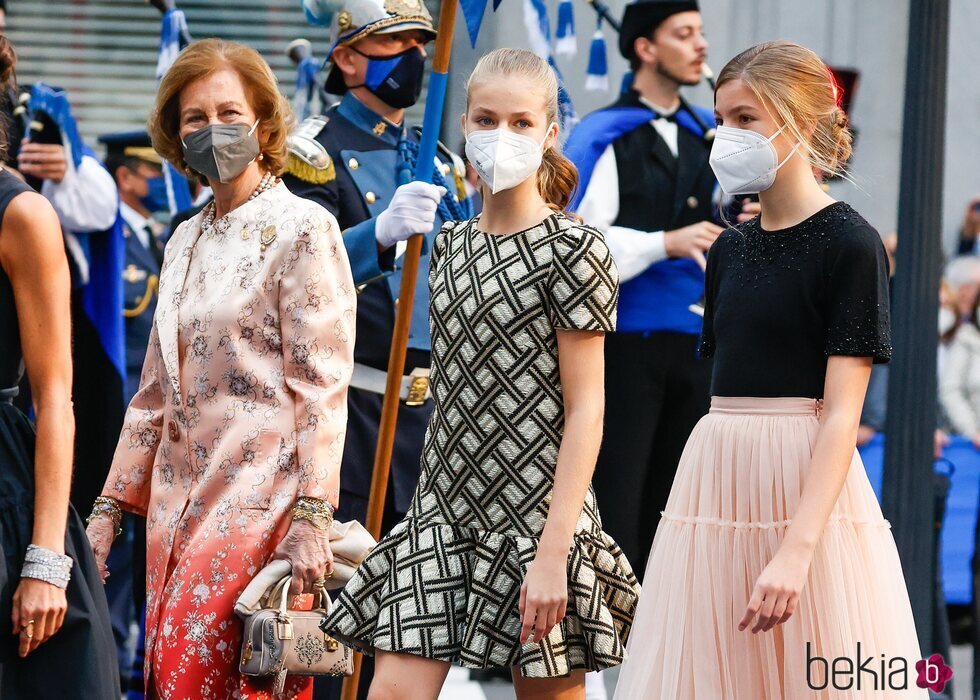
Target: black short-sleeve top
point(779, 303)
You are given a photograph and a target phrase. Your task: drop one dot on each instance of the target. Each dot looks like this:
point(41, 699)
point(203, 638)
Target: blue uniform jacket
point(140, 277)
point(364, 150)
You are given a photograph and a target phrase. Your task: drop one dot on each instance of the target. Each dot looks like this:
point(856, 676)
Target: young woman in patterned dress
point(502, 561)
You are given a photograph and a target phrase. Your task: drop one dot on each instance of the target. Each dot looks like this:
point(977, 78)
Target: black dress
point(79, 661)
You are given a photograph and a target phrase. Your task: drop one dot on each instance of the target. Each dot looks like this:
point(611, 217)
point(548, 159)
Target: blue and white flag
point(174, 36)
point(539, 35)
point(597, 72)
point(565, 44)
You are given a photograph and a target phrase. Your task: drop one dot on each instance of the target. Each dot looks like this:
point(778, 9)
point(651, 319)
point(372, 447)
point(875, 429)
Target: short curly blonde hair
point(261, 88)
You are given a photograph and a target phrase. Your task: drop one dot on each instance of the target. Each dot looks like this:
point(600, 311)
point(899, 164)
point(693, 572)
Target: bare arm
point(581, 363)
point(33, 256)
point(776, 593)
point(844, 388)
point(544, 594)
point(32, 253)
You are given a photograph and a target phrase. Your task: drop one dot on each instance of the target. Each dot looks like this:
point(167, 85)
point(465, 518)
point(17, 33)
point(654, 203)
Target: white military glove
point(412, 210)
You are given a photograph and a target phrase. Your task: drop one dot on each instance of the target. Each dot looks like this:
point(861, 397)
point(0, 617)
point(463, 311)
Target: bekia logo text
point(873, 672)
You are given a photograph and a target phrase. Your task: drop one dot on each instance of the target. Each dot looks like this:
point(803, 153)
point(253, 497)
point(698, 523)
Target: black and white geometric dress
point(445, 582)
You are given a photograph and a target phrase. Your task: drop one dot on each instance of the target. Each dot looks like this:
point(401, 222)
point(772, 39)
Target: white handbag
point(350, 543)
point(283, 642)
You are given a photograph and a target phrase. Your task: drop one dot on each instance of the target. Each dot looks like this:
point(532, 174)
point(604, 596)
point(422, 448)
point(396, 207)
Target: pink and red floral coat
point(241, 409)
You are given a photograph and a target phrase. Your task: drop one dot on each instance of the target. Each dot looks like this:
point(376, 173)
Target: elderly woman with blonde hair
point(231, 447)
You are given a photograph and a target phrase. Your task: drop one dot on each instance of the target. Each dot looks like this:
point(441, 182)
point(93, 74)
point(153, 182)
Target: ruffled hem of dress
point(701, 520)
point(452, 593)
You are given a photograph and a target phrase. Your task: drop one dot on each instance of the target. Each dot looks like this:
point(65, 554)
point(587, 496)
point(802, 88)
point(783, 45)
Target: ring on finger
point(28, 629)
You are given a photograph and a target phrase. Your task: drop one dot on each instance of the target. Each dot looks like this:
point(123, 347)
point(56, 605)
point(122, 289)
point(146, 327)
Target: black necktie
point(153, 244)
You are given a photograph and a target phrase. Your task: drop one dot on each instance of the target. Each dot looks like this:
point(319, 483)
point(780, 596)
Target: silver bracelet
point(47, 566)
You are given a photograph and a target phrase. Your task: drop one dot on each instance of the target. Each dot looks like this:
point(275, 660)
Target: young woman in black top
point(772, 559)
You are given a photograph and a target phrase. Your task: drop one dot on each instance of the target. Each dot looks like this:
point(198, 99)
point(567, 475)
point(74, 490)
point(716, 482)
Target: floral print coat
point(241, 409)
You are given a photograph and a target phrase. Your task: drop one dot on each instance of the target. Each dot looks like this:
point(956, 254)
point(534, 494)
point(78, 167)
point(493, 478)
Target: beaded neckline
point(758, 254)
point(829, 214)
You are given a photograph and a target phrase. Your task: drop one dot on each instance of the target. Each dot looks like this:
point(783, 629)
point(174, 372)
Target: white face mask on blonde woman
point(502, 158)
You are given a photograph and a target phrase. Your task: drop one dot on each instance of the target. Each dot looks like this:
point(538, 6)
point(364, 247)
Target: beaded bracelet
point(45, 565)
point(109, 508)
point(316, 511)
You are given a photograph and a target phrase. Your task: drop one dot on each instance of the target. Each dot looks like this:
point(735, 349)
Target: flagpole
point(431, 126)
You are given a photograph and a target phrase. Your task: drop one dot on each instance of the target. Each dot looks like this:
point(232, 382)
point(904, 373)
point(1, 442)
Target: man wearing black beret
point(646, 183)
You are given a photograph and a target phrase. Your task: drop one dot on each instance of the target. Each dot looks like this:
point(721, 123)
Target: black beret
point(643, 16)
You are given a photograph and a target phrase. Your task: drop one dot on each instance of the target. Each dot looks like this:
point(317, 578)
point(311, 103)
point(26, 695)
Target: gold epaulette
point(307, 172)
point(308, 160)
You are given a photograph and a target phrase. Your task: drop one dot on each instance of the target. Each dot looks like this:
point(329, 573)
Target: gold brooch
point(379, 128)
point(343, 20)
point(245, 234)
point(267, 237)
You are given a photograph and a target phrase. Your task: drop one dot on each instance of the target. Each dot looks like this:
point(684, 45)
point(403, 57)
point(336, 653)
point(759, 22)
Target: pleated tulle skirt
point(738, 484)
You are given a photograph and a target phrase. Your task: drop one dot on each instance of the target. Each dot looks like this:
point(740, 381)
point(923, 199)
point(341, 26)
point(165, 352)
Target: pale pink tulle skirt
point(737, 486)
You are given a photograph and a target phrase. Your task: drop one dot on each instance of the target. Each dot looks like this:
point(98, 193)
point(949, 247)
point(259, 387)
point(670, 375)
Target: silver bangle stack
point(47, 566)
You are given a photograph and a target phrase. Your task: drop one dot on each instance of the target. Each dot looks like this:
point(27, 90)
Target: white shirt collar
point(137, 223)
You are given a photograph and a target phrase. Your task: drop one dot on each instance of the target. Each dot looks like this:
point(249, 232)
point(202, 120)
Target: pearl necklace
point(267, 182)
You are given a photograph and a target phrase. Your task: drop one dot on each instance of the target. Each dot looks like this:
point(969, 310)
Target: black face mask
point(395, 80)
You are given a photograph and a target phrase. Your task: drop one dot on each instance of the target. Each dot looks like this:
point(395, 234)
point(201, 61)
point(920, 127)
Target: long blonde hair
point(792, 80)
point(557, 176)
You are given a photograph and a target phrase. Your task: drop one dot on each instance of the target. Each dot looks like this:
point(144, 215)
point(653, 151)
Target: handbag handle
point(283, 587)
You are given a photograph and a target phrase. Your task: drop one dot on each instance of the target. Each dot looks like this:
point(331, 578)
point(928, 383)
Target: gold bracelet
point(316, 511)
point(108, 507)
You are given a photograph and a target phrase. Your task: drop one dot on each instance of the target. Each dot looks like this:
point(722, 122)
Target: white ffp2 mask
point(745, 162)
point(502, 158)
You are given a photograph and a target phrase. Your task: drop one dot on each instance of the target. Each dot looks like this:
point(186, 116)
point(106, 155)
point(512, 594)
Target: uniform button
point(370, 197)
point(173, 430)
point(692, 202)
point(352, 164)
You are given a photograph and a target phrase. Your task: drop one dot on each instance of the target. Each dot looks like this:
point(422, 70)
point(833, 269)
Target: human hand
point(777, 591)
point(45, 161)
point(750, 210)
point(307, 549)
point(38, 612)
point(544, 597)
point(692, 241)
point(101, 532)
point(865, 434)
point(940, 441)
point(412, 211)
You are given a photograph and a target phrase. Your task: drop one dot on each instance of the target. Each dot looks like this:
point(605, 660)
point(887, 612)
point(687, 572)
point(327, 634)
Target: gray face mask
point(221, 151)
